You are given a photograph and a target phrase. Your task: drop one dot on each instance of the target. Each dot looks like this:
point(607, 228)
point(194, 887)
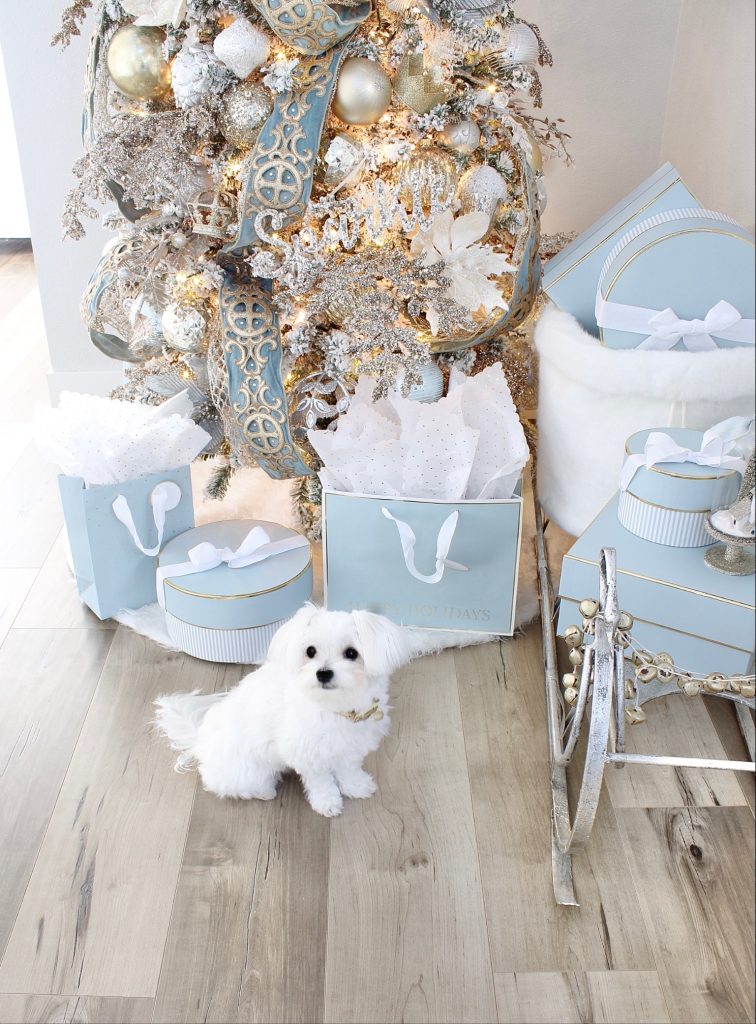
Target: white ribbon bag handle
point(445, 536)
point(164, 497)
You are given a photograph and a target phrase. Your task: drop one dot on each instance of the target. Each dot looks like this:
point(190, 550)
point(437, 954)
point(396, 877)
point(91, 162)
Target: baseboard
point(90, 382)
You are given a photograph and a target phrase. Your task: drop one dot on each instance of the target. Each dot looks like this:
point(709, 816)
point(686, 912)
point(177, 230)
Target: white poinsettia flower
point(467, 263)
point(156, 12)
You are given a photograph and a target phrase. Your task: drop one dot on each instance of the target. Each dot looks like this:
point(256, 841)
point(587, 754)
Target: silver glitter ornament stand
point(601, 705)
point(735, 556)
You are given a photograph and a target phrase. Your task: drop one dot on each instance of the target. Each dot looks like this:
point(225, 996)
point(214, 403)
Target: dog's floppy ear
point(288, 635)
point(384, 645)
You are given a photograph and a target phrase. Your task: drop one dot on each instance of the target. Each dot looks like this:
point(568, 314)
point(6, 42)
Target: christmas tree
point(307, 191)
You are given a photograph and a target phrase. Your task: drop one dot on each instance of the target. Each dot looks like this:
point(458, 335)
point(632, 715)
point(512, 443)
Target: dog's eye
point(311, 652)
point(351, 654)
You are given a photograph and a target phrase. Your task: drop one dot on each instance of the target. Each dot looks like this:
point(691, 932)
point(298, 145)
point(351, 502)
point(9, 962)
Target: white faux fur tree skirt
point(254, 495)
point(592, 398)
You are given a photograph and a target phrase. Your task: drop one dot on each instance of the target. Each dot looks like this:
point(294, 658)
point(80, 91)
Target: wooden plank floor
point(128, 895)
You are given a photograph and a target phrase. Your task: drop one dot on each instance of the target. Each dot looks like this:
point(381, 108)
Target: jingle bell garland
point(192, 193)
point(647, 667)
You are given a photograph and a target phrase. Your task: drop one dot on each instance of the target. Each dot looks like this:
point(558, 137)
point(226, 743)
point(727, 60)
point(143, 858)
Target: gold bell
point(641, 658)
point(747, 690)
point(691, 688)
point(570, 694)
point(625, 620)
point(635, 715)
point(568, 679)
point(645, 673)
point(629, 689)
point(573, 636)
point(576, 657)
point(665, 673)
point(714, 683)
point(589, 608)
point(664, 659)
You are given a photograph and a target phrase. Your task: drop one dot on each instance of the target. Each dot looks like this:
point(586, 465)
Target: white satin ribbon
point(443, 543)
point(163, 498)
point(723, 446)
point(256, 547)
point(663, 328)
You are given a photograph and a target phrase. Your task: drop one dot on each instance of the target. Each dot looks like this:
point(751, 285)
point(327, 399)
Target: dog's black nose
point(325, 675)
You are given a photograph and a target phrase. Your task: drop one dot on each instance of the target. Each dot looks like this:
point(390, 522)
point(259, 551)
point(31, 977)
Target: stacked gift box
point(671, 481)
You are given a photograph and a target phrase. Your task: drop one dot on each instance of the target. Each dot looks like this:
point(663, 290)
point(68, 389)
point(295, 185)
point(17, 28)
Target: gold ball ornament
point(463, 137)
point(246, 108)
point(339, 163)
point(136, 63)
point(363, 92)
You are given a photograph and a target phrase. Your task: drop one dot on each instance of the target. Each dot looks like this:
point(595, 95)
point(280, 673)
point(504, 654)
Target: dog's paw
point(329, 806)
point(358, 786)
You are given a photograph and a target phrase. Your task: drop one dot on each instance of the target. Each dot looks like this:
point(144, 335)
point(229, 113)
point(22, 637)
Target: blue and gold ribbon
point(251, 344)
point(311, 26)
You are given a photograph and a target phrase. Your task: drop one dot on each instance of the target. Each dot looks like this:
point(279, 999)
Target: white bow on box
point(664, 328)
point(256, 547)
point(723, 446)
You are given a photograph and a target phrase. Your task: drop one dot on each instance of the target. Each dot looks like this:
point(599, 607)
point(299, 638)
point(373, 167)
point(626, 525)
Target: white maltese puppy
point(318, 705)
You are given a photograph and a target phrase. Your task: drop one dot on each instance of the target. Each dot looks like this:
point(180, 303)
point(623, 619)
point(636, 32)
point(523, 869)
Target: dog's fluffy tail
point(178, 716)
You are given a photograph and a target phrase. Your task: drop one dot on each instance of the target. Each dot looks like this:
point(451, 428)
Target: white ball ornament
point(482, 188)
point(184, 327)
point(463, 137)
point(242, 47)
point(363, 92)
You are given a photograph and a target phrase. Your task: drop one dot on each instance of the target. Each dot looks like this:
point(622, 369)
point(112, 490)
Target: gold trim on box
point(664, 583)
point(657, 241)
point(228, 629)
point(516, 499)
point(666, 508)
point(673, 629)
point(237, 597)
point(632, 217)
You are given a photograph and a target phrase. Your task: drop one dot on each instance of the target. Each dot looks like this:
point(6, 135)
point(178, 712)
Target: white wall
point(638, 82)
point(14, 220)
point(46, 91)
point(708, 132)
point(610, 80)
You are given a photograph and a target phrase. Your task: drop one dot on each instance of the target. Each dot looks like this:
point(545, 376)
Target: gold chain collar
point(362, 716)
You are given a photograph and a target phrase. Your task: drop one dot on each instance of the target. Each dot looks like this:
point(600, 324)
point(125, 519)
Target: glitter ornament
point(339, 162)
point(428, 179)
point(363, 92)
point(242, 47)
point(246, 107)
point(136, 63)
point(196, 74)
point(482, 188)
point(520, 46)
point(463, 137)
point(184, 327)
point(416, 87)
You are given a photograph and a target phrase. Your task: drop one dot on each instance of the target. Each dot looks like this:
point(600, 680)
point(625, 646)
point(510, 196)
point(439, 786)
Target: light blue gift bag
point(434, 564)
point(116, 531)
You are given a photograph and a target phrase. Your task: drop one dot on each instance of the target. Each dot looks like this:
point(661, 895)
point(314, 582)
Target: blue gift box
point(448, 565)
point(571, 277)
point(703, 618)
point(669, 502)
point(682, 279)
point(115, 568)
point(230, 612)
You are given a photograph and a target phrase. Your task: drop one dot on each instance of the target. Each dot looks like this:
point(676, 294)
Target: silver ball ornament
point(136, 63)
point(363, 92)
point(463, 137)
point(246, 108)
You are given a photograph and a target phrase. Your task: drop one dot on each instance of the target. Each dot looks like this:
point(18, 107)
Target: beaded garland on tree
point(412, 113)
